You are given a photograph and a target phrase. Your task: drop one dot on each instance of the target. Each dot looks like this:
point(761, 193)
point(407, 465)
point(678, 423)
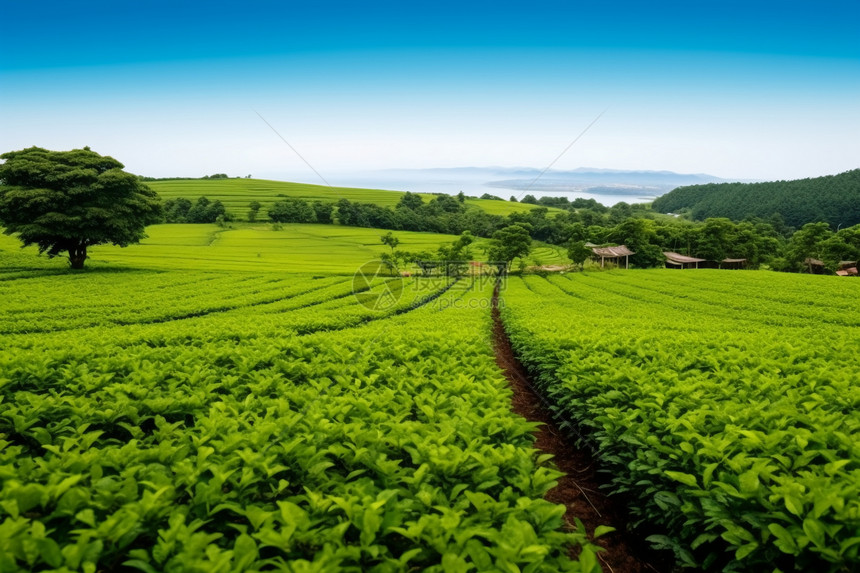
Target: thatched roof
point(681, 259)
point(609, 252)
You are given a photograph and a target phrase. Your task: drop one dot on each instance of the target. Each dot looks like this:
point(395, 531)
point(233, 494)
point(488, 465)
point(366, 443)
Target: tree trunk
point(77, 256)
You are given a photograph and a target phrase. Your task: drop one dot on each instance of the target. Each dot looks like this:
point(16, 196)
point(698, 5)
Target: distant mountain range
point(576, 181)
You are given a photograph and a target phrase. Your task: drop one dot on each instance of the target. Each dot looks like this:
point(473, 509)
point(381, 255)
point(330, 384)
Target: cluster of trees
point(767, 242)
point(761, 241)
point(506, 244)
point(442, 214)
point(214, 176)
point(834, 199)
point(565, 203)
point(182, 210)
point(819, 241)
point(299, 211)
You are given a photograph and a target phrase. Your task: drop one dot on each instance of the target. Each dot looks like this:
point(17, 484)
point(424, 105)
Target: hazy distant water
point(426, 181)
point(475, 188)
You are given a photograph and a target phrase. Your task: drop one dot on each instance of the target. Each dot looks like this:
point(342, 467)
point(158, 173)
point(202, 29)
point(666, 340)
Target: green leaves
point(70, 200)
point(784, 540)
point(224, 441)
point(685, 479)
point(740, 448)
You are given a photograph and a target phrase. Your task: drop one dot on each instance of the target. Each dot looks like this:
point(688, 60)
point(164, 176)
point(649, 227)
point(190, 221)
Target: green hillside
point(296, 248)
point(318, 249)
point(834, 199)
point(237, 193)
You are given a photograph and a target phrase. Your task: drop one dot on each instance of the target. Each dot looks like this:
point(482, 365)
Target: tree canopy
point(509, 243)
point(182, 210)
point(578, 252)
point(834, 199)
point(292, 210)
point(67, 201)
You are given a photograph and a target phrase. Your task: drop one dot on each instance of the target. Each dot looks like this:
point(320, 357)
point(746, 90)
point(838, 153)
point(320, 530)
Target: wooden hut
point(613, 254)
point(847, 269)
point(815, 266)
point(678, 261)
point(733, 264)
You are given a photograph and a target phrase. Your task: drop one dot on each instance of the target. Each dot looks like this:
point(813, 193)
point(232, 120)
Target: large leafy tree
point(717, 238)
point(509, 243)
point(292, 211)
point(640, 236)
point(578, 253)
point(808, 243)
point(67, 201)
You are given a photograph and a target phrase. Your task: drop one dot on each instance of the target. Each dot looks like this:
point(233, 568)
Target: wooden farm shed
point(613, 254)
point(847, 269)
point(733, 264)
point(815, 266)
point(677, 261)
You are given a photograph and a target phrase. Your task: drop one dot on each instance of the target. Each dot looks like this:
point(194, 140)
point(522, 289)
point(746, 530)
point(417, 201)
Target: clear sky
point(741, 89)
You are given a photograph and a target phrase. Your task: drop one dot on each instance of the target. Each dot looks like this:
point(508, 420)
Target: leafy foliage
point(71, 200)
point(578, 253)
point(724, 405)
point(182, 210)
point(253, 209)
point(292, 211)
point(294, 429)
point(509, 243)
point(834, 199)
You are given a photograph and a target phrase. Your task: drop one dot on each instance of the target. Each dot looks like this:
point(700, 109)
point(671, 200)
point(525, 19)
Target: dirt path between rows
point(579, 489)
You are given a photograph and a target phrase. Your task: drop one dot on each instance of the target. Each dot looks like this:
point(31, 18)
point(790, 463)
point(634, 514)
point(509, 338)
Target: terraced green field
point(237, 193)
point(725, 405)
point(297, 248)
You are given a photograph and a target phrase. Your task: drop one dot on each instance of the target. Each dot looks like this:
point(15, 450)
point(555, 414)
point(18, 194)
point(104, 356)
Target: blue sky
point(763, 90)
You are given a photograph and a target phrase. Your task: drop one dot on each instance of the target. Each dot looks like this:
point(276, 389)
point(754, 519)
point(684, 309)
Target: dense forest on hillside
point(834, 199)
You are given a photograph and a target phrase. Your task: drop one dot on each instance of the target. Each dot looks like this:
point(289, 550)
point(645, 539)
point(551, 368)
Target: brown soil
point(579, 489)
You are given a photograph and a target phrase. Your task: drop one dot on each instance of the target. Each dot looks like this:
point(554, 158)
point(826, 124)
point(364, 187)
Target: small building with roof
point(733, 264)
point(815, 266)
point(613, 254)
point(678, 261)
point(847, 269)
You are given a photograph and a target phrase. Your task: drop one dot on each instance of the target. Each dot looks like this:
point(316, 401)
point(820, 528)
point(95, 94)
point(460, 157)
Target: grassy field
point(319, 249)
point(237, 193)
point(297, 248)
